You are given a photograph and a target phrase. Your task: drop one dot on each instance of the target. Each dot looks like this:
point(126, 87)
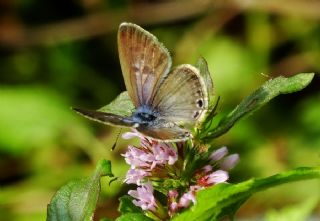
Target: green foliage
point(127, 206)
point(122, 105)
point(224, 199)
point(301, 211)
point(133, 217)
point(269, 90)
point(77, 200)
point(33, 117)
point(231, 65)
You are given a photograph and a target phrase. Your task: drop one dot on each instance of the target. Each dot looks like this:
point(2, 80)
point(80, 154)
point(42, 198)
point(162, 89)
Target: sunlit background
point(58, 54)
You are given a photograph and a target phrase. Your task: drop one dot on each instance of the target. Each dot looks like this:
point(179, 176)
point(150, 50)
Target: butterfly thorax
point(144, 115)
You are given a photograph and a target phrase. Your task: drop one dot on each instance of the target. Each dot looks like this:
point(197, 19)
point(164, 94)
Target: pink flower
point(130, 135)
point(136, 157)
point(144, 197)
point(150, 155)
point(186, 199)
point(172, 202)
point(163, 154)
point(219, 154)
point(135, 176)
point(189, 196)
point(207, 169)
point(173, 208)
point(230, 161)
point(218, 176)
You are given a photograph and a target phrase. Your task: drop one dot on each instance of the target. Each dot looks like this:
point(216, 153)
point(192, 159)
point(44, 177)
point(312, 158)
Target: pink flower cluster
point(149, 157)
point(205, 177)
point(153, 160)
point(144, 161)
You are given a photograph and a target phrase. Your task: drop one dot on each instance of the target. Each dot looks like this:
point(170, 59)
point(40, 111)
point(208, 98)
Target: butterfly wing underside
point(182, 98)
point(181, 101)
point(166, 133)
point(144, 62)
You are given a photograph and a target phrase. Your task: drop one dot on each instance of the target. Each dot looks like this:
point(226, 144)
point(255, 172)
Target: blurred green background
point(57, 54)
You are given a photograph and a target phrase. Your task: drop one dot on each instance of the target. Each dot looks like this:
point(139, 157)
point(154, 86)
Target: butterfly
point(166, 103)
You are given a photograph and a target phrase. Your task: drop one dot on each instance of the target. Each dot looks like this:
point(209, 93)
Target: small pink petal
point(219, 154)
point(189, 196)
point(173, 207)
point(130, 135)
point(230, 161)
point(135, 176)
point(218, 176)
point(207, 168)
point(185, 200)
point(173, 194)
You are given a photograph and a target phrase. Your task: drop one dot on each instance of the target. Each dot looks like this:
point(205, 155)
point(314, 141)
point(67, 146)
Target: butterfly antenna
point(116, 141)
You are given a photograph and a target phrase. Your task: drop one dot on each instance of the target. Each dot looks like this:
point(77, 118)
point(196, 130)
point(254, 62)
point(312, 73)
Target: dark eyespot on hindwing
point(196, 114)
point(199, 103)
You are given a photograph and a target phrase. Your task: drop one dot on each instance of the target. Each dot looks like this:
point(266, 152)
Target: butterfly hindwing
point(166, 132)
point(144, 62)
point(182, 97)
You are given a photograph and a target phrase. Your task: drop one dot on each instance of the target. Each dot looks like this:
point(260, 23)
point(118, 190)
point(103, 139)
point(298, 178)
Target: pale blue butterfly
point(167, 103)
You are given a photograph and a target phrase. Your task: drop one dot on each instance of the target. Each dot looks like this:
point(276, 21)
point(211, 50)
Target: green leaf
point(77, 200)
point(133, 217)
point(126, 205)
point(269, 90)
point(122, 105)
point(224, 199)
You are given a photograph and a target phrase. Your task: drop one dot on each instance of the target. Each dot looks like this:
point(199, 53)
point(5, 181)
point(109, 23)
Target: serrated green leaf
point(126, 205)
point(77, 200)
point(269, 90)
point(224, 199)
point(133, 217)
point(122, 105)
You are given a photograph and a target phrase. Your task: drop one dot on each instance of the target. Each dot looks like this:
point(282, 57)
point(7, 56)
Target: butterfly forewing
point(182, 97)
point(144, 62)
point(106, 118)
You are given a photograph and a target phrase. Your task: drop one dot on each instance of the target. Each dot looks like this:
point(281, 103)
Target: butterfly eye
point(199, 103)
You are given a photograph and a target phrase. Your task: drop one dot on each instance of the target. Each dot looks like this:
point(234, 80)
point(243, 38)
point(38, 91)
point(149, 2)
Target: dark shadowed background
point(58, 54)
